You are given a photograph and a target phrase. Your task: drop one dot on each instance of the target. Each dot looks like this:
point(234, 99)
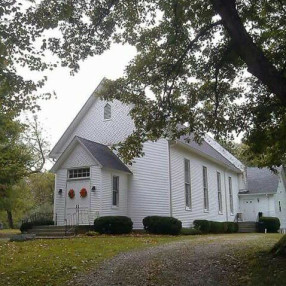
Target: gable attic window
point(78, 173)
point(107, 111)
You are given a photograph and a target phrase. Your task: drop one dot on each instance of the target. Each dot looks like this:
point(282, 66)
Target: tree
point(217, 65)
point(18, 157)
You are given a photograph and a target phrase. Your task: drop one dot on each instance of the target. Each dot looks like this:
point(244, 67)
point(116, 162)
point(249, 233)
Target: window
point(280, 209)
point(219, 192)
point(115, 190)
point(205, 183)
point(78, 173)
point(230, 194)
point(107, 111)
point(188, 185)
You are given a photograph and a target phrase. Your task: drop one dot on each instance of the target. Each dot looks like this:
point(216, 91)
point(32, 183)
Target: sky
point(72, 91)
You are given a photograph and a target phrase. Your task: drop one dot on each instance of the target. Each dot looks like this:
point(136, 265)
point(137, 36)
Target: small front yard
point(56, 261)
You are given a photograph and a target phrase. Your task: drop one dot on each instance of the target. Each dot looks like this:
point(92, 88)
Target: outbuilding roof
point(261, 180)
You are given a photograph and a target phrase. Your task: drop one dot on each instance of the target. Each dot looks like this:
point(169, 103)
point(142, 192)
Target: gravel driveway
point(199, 261)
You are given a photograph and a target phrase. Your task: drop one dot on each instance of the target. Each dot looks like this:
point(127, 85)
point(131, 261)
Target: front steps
point(50, 231)
point(247, 226)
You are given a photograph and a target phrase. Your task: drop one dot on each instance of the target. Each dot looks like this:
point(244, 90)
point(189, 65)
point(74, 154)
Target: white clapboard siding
point(177, 156)
point(149, 189)
point(59, 198)
point(78, 158)
point(106, 193)
point(95, 196)
point(281, 196)
point(94, 127)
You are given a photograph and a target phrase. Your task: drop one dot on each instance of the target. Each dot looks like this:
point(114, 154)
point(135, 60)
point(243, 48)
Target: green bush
point(280, 247)
point(113, 225)
point(231, 227)
point(272, 224)
point(162, 225)
point(217, 227)
point(203, 225)
point(28, 225)
point(190, 231)
point(207, 226)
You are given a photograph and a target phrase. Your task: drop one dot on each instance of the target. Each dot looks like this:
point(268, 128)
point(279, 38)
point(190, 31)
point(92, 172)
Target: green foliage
point(272, 224)
point(28, 225)
point(280, 247)
point(162, 225)
point(202, 225)
point(189, 68)
point(190, 231)
point(207, 226)
point(113, 225)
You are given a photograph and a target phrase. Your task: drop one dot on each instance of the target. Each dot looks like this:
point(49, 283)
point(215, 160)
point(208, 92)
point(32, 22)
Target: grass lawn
point(53, 262)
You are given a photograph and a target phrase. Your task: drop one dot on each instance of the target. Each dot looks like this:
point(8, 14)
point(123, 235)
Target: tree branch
point(257, 63)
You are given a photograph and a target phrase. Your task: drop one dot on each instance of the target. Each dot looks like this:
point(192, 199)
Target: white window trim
point(187, 208)
point(107, 119)
point(220, 202)
point(112, 191)
point(205, 187)
point(77, 178)
point(230, 193)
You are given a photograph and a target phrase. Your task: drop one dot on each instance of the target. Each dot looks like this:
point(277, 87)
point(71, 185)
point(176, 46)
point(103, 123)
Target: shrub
point(202, 225)
point(113, 225)
point(272, 224)
point(217, 227)
point(26, 226)
point(162, 225)
point(190, 231)
point(207, 226)
point(231, 227)
point(280, 247)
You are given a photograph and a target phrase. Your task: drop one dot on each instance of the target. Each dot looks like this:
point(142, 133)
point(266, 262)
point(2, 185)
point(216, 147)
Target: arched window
point(107, 111)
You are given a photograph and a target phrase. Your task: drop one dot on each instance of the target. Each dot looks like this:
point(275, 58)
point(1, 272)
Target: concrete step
point(247, 226)
point(51, 231)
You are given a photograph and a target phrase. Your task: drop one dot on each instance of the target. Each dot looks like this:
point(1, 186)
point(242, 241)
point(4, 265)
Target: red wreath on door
point(83, 192)
point(71, 193)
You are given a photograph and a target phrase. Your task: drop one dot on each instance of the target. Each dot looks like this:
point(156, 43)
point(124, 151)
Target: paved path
point(201, 261)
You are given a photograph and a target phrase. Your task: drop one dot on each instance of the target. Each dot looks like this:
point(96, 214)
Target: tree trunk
point(257, 63)
point(10, 219)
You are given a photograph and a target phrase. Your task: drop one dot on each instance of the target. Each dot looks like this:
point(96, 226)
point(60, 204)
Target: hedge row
point(162, 225)
point(207, 226)
point(28, 225)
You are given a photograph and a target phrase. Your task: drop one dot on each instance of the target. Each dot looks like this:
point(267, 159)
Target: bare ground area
point(200, 260)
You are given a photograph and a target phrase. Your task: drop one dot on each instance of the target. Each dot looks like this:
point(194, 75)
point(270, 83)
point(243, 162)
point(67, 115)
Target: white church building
point(177, 178)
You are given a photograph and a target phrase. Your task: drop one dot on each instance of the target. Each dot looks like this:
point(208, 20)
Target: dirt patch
point(203, 261)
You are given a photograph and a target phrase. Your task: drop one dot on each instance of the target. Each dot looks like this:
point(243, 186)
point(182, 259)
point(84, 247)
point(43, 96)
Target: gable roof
point(261, 181)
point(99, 152)
point(206, 150)
point(55, 151)
point(104, 155)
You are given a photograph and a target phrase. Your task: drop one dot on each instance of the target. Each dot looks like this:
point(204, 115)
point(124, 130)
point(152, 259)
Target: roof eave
point(234, 169)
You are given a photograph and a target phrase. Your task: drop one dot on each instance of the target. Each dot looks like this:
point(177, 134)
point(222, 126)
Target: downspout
point(170, 179)
point(225, 191)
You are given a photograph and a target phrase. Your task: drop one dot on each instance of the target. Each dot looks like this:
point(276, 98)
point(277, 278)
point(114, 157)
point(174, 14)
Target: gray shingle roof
point(261, 181)
point(104, 155)
point(207, 149)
